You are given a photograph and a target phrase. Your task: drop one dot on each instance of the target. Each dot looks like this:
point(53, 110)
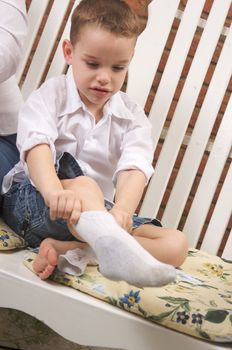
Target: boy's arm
point(129, 189)
point(42, 171)
point(62, 203)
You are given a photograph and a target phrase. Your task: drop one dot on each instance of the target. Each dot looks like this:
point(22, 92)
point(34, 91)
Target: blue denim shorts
point(25, 211)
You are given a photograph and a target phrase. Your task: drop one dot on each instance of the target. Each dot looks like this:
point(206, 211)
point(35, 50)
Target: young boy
point(82, 141)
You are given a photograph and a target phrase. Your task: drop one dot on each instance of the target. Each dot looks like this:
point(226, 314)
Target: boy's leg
point(120, 256)
point(167, 245)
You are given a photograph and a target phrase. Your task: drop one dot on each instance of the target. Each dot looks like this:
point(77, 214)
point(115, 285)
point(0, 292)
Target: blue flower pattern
point(131, 298)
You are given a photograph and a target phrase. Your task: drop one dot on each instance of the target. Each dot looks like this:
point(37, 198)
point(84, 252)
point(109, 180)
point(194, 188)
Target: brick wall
point(140, 7)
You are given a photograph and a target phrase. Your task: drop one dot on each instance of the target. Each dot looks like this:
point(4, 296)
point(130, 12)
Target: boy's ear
point(67, 51)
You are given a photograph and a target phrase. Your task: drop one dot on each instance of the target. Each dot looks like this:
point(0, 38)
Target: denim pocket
point(12, 204)
point(23, 207)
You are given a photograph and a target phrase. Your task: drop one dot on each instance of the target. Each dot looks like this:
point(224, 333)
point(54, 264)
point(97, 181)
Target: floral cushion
point(8, 239)
point(199, 303)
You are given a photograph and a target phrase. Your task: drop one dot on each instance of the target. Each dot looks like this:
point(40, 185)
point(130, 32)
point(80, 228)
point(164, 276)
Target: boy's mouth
point(100, 91)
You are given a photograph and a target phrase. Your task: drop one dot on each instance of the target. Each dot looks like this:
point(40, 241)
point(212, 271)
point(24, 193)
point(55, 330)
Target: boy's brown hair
point(116, 16)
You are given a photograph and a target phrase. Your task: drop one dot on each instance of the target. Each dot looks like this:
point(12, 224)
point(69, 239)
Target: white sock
point(74, 262)
point(119, 255)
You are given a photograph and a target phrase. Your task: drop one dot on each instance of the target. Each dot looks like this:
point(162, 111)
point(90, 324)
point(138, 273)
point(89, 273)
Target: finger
point(53, 209)
point(74, 217)
point(76, 212)
point(61, 206)
point(68, 208)
point(128, 223)
point(129, 227)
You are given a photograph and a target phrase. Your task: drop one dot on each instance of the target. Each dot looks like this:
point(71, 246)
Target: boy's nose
point(103, 78)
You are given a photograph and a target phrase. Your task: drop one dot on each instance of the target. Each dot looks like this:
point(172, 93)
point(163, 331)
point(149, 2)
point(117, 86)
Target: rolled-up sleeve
point(36, 125)
point(137, 147)
point(13, 31)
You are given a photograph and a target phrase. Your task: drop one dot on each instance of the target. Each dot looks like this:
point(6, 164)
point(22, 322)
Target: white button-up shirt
point(55, 114)
point(13, 30)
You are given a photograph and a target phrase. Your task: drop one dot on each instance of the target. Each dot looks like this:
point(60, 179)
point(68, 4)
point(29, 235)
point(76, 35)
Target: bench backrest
point(181, 74)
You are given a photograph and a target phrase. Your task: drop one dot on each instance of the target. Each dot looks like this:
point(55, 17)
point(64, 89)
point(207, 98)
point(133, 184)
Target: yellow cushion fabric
point(8, 239)
point(198, 304)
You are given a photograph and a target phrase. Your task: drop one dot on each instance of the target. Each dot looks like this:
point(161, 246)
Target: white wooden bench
point(182, 192)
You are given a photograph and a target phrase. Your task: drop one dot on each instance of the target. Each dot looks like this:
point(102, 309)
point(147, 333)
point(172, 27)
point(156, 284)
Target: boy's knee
point(86, 182)
point(86, 185)
point(179, 248)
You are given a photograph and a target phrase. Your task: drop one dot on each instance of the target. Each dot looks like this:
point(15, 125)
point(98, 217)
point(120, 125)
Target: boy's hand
point(123, 218)
point(64, 204)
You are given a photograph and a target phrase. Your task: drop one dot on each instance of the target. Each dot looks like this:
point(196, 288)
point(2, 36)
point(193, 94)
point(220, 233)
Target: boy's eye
point(92, 65)
point(118, 68)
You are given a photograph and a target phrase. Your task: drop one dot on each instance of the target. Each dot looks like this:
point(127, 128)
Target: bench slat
point(185, 107)
point(212, 172)
point(58, 65)
point(220, 217)
point(228, 248)
point(177, 57)
point(149, 49)
point(198, 143)
point(44, 48)
point(35, 16)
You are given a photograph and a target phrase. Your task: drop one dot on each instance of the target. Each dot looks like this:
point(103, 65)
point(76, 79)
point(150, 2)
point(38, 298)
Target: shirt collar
point(116, 106)
point(73, 101)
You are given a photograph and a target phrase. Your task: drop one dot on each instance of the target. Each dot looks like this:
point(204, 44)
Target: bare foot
point(46, 260)
point(49, 252)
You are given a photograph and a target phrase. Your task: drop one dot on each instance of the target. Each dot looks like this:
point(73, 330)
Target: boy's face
point(100, 62)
